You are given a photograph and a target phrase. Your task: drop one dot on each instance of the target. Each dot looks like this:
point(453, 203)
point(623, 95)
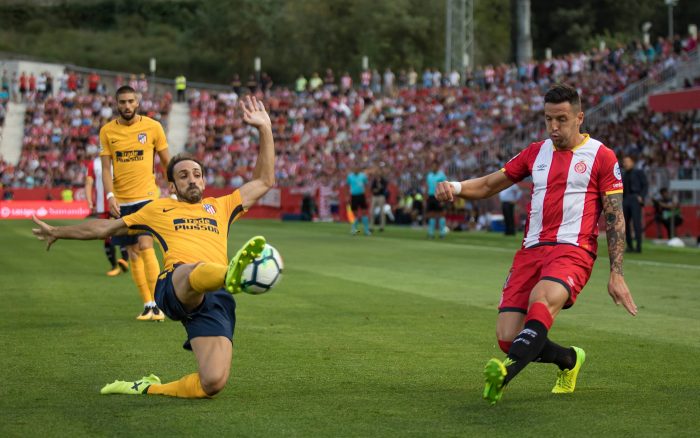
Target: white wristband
point(110, 195)
point(457, 186)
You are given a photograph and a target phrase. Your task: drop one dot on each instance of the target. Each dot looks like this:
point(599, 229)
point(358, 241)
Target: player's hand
point(114, 208)
point(44, 232)
point(444, 192)
point(620, 293)
point(254, 113)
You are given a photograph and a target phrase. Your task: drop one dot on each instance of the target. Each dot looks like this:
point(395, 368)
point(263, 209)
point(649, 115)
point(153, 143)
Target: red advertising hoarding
point(43, 209)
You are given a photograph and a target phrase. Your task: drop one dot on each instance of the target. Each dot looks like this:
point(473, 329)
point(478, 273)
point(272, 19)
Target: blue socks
point(365, 224)
point(441, 226)
point(431, 227)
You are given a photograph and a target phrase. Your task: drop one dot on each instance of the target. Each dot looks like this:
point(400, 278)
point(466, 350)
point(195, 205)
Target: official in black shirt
point(380, 189)
point(635, 191)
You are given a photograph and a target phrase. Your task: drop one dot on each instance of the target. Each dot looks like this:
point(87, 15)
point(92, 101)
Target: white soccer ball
point(264, 272)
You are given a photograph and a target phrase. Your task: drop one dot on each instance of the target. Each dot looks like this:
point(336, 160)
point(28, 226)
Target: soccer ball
point(263, 272)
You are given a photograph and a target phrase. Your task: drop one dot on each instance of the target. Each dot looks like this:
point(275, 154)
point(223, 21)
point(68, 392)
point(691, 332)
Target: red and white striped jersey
point(568, 190)
point(94, 171)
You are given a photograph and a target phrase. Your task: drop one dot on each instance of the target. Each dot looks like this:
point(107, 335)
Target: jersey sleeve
point(609, 174)
point(138, 221)
point(517, 169)
point(104, 144)
point(233, 205)
point(161, 141)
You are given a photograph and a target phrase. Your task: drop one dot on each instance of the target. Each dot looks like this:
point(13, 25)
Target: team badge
point(616, 171)
point(209, 208)
point(142, 137)
point(580, 167)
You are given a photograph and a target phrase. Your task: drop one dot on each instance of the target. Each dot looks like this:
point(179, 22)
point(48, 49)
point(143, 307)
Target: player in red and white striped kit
point(99, 207)
point(575, 178)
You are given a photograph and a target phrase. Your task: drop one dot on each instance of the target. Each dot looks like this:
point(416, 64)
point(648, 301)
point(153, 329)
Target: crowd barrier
point(278, 203)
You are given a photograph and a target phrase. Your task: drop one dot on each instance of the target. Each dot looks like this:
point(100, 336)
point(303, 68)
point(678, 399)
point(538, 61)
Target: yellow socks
point(187, 387)
point(139, 275)
point(207, 277)
point(152, 268)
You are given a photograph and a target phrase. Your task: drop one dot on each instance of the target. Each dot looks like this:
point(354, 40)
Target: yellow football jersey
point(133, 150)
point(189, 233)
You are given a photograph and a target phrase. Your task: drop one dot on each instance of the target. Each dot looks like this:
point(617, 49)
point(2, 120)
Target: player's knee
point(213, 383)
point(504, 345)
point(143, 246)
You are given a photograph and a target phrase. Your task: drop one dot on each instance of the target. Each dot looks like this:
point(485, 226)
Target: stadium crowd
point(61, 131)
point(403, 121)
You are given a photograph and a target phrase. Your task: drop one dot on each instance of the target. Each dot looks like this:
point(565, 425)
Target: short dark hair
point(124, 89)
point(178, 158)
point(560, 93)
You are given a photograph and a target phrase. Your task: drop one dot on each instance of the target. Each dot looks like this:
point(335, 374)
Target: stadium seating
point(320, 133)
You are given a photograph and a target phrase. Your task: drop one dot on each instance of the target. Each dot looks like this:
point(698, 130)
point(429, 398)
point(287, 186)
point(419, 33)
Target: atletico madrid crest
point(209, 208)
point(142, 137)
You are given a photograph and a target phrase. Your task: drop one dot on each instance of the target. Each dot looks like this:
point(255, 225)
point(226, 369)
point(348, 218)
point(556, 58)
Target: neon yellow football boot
point(566, 379)
point(248, 252)
point(131, 388)
point(494, 372)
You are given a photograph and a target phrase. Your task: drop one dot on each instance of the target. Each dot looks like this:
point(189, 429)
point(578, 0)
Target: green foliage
point(379, 336)
point(209, 40)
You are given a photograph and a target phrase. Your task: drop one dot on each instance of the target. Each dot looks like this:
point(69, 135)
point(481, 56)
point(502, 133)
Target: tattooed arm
point(615, 230)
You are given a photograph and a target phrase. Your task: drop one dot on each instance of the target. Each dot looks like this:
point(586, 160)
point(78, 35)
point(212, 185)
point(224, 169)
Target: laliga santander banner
point(43, 209)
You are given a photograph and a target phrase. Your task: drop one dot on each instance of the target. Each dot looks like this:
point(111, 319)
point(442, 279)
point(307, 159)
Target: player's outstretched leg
point(248, 252)
point(566, 379)
point(131, 388)
point(494, 373)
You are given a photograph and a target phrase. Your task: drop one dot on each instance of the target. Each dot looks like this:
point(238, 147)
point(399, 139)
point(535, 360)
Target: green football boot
point(566, 379)
point(248, 252)
point(494, 372)
point(130, 388)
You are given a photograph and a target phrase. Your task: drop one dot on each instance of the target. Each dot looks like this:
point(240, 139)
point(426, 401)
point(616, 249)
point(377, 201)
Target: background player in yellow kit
point(196, 285)
point(129, 144)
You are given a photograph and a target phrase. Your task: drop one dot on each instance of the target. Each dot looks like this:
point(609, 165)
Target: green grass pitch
point(365, 336)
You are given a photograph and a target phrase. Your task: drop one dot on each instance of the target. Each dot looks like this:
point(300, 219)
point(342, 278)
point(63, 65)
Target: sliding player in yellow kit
point(129, 144)
point(197, 283)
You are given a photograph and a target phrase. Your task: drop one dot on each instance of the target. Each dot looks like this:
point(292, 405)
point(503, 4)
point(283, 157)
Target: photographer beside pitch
point(196, 284)
point(574, 178)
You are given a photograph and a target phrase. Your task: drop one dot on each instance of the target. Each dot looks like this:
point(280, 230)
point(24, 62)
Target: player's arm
point(164, 156)
point(89, 183)
point(106, 161)
point(477, 188)
point(615, 232)
point(89, 230)
point(263, 180)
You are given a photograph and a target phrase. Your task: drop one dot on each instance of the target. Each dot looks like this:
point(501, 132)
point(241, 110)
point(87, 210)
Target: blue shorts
point(216, 316)
point(129, 239)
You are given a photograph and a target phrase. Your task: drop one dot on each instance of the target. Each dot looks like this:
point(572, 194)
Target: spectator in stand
point(329, 80)
point(181, 87)
point(389, 78)
point(345, 83)
point(315, 82)
point(23, 85)
point(252, 84)
point(72, 81)
point(236, 84)
point(93, 82)
point(300, 84)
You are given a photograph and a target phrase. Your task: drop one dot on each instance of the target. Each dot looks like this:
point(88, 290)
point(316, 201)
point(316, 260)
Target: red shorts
point(565, 264)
